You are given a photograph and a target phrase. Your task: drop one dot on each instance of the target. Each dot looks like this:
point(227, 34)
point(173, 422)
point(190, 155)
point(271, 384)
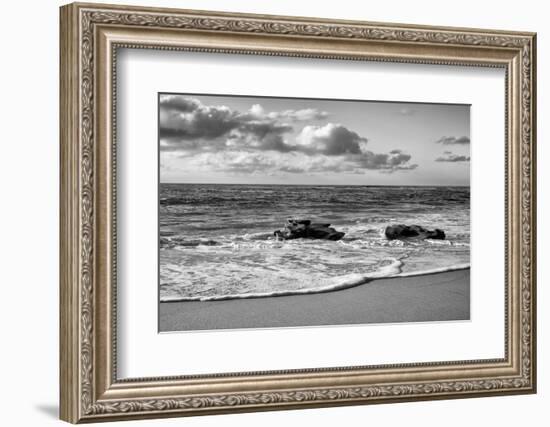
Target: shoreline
point(432, 296)
point(344, 284)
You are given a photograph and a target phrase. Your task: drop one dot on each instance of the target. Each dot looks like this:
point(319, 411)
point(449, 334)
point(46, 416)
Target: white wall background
point(29, 170)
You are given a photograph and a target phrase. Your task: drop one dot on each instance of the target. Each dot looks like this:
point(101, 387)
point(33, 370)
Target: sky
point(268, 140)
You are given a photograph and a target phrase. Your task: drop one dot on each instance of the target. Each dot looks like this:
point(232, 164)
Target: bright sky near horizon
point(260, 140)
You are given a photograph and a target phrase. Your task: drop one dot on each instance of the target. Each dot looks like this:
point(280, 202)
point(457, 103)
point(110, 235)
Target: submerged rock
point(305, 229)
point(402, 231)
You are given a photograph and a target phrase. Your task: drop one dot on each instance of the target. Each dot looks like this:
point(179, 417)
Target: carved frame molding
point(90, 36)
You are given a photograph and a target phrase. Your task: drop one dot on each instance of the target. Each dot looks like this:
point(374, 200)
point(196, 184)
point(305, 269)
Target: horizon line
point(319, 185)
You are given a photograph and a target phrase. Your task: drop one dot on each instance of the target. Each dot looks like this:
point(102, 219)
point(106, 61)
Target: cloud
point(452, 158)
point(185, 119)
point(242, 162)
point(216, 137)
point(358, 163)
point(178, 103)
point(330, 139)
point(290, 115)
point(453, 140)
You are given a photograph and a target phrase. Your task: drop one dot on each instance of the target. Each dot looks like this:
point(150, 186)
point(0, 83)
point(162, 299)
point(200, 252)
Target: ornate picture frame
point(90, 37)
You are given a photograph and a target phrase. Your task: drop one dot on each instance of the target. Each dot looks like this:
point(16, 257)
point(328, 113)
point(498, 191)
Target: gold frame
point(90, 35)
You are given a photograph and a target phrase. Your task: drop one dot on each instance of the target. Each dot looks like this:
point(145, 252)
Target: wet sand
point(432, 297)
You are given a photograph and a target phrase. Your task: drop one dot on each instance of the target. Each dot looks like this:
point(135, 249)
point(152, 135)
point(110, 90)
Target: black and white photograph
point(281, 212)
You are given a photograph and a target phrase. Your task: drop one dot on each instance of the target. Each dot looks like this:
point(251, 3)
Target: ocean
point(216, 240)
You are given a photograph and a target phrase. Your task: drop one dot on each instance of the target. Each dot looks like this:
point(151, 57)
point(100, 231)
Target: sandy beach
point(433, 297)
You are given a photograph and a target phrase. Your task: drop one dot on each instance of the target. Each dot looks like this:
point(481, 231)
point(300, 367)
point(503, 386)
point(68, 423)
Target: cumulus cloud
point(453, 140)
point(183, 118)
point(452, 158)
point(187, 119)
point(216, 137)
point(330, 139)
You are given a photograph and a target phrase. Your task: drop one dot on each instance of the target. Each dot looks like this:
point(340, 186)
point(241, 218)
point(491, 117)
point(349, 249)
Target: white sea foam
point(456, 267)
point(217, 241)
point(344, 282)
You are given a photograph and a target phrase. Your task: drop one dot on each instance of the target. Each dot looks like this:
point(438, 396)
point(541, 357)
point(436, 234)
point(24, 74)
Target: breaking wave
point(216, 241)
point(344, 282)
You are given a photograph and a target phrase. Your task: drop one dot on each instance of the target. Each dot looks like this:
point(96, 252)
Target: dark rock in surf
point(402, 231)
point(305, 229)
